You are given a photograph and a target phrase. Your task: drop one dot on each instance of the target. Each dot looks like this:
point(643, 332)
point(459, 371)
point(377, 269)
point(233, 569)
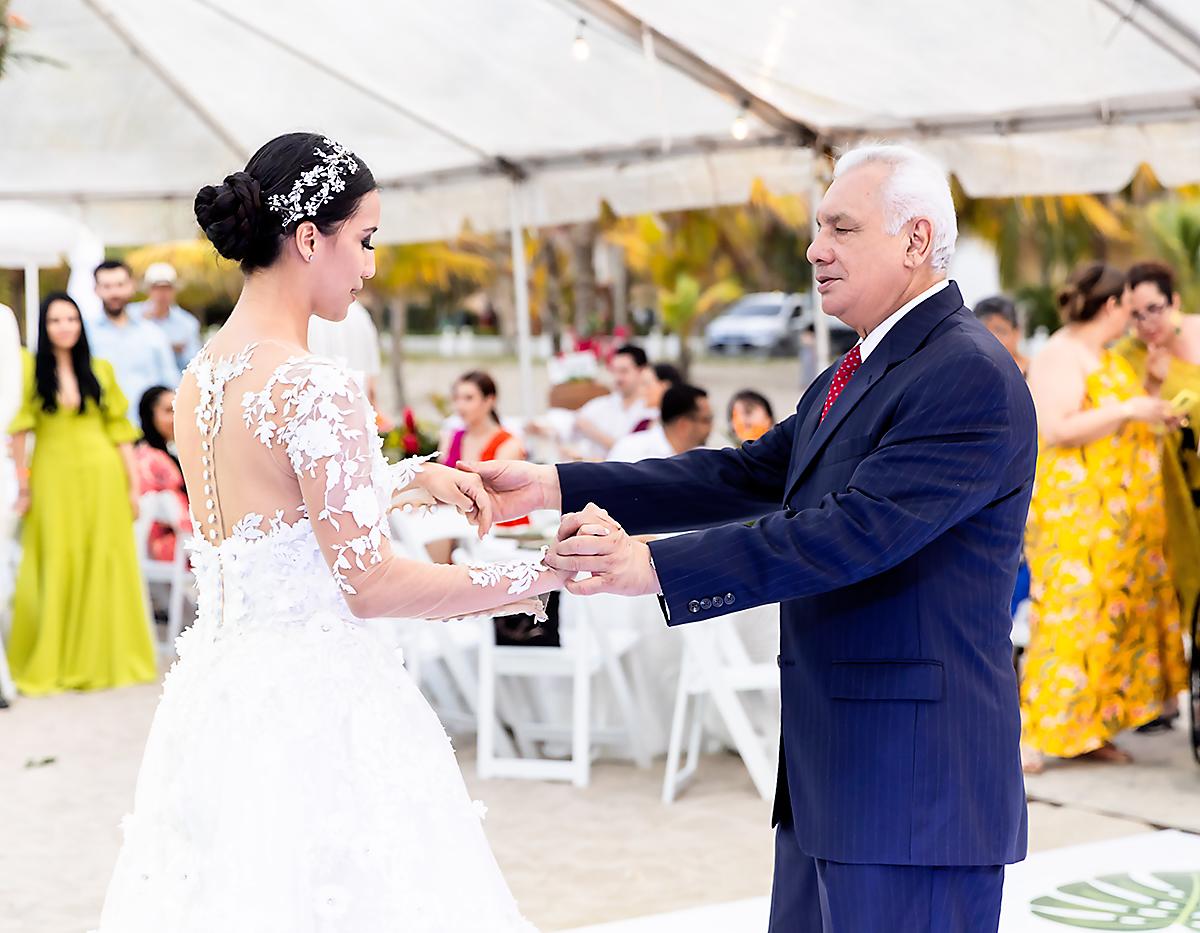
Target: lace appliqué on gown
point(294, 779)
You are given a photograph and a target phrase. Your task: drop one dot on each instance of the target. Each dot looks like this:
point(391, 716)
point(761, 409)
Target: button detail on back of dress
point(212, 375)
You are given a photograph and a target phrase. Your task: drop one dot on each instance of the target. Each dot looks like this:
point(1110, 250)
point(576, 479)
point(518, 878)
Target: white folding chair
point(591, 645)
point(163, 508)
point(717, 668)
point(438, 654)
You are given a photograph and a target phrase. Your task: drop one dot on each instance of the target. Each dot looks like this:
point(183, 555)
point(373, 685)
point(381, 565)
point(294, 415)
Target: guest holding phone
point(1164, 350)
point(1105, 648)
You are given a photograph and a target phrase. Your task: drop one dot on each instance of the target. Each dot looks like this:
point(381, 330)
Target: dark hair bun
point(1088, 291)
point(230, 215)
point(1071, 300)
point(236, 215)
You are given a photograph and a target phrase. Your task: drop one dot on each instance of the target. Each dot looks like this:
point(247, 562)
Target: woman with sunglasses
point(1105, 649)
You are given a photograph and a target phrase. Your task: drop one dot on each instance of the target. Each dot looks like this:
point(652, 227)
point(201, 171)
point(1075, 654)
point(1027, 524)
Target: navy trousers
point(812, 895)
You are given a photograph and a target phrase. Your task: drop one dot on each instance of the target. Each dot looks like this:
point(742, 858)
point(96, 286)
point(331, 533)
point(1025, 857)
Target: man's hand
point(591, 541)
point(516, 488)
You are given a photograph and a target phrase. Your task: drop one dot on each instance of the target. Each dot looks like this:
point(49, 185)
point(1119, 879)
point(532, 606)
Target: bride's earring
point(310, 257)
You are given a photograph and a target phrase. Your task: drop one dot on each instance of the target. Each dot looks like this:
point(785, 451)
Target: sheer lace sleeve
point(314, 415)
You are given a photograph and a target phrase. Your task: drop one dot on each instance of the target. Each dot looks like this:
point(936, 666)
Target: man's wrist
point(654, 581)
point(551, 488)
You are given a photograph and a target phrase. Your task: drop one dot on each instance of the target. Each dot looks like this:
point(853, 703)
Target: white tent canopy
point(451, 103)
point(32, 237)
point(1018, 97)
point(448, 105)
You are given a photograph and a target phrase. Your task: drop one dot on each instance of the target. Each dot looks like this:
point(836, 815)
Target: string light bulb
point(739, 129)
point(580, 48)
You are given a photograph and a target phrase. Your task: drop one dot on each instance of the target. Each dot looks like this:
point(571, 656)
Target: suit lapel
point(858, 386)
point(810, 418)
point(900, 343)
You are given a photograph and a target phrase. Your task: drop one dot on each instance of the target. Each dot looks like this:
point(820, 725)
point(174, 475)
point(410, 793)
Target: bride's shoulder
point(316, 374)
point(303, 386)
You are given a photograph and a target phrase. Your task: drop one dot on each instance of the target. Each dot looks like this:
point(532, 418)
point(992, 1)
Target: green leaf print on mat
point(1135, 901)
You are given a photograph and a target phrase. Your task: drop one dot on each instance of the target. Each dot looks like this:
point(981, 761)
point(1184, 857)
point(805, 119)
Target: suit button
point(706, 603)
point(728, 599)
point(718, 602)
point(693, 606)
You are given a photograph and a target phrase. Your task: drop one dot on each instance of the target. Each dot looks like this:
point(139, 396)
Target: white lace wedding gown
point(294, 779)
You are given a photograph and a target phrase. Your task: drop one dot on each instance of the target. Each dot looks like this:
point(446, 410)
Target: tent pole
point(816, 192)
point(521, 291)
point(32, 310)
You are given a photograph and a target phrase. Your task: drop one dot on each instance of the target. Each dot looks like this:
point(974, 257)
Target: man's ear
point(920, 243)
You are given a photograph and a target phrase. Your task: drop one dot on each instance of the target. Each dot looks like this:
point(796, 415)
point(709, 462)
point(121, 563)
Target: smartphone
point(1184, 401)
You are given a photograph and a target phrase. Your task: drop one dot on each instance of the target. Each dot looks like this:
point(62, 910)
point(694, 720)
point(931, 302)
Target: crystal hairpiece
point(327, 177)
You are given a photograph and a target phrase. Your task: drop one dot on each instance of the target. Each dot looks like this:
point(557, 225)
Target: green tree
point(688, 304)
point(412, 272)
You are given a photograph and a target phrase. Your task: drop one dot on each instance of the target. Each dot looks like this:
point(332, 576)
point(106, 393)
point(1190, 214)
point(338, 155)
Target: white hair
point(917, 187)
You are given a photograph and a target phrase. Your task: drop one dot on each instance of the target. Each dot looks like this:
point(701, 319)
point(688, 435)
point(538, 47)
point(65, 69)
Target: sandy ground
point(572, 857)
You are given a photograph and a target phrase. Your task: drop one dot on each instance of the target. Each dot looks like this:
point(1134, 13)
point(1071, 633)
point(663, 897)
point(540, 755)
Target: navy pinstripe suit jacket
point(890, 534)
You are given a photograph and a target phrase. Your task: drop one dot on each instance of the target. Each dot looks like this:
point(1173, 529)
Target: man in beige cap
point(181, 328)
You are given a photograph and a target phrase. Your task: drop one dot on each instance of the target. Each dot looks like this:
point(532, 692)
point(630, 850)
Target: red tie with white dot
point(849, 367)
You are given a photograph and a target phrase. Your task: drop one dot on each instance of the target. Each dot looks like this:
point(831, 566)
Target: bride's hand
point(531, 606)
point(462, 490)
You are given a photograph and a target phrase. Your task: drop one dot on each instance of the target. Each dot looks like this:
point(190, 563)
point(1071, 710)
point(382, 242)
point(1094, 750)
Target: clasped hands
point(588, 542)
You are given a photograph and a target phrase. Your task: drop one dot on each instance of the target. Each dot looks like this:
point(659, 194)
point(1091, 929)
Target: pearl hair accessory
point(328, 177)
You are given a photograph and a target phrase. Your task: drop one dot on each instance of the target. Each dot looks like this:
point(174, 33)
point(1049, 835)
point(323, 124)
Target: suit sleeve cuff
point(682, 598)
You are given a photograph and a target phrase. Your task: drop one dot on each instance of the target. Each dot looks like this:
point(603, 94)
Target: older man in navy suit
point(885, 516)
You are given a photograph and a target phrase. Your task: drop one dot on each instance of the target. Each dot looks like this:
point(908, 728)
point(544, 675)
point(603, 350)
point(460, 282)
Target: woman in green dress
point(1164, 350)
point(79, 617)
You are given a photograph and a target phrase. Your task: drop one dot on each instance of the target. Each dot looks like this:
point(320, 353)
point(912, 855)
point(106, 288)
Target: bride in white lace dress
point(295, 780)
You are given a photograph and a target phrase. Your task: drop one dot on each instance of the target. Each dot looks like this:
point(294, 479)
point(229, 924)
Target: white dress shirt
point(651, 444)
point(352, 343)
point(182, 329)
point(611, 415)
point(140, 354)
point(875, 337)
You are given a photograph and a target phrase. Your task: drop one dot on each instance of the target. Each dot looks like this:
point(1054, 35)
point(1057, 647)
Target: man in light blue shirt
point(182, 329)
point(138, 351)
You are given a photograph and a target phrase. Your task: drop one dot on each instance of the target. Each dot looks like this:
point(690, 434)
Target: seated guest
point(158, 466)
point(482, 437)
point(604, 421)
point(999, 315)
point(750, 416)
point(656, 380)
point(687, 420)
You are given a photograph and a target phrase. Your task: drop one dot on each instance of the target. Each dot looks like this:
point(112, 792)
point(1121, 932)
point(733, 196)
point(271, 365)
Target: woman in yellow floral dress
point(1164, 350)
point(1102, 603)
